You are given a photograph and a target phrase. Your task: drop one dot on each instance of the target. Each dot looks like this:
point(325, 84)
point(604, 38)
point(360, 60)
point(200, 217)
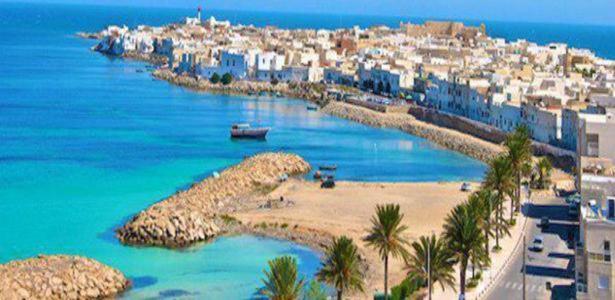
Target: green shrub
point(405, 289)
point(215, 78)
point(284, 225)
point(229, 219)
point(227, 78)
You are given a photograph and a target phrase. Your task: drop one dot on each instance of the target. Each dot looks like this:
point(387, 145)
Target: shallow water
point(87, 141)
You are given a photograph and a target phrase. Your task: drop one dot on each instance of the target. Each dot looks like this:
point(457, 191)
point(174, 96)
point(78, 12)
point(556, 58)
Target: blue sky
point(556, 11)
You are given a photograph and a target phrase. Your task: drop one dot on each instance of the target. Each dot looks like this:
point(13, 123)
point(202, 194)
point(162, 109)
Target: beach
point(348, 208)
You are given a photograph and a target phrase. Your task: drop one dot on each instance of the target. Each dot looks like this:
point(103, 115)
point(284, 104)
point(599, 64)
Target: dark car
point(544, 222)
point(328, 183)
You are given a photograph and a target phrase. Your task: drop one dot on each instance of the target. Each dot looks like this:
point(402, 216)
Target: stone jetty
point(447, 138)
point(60, 277)
point(189, 216)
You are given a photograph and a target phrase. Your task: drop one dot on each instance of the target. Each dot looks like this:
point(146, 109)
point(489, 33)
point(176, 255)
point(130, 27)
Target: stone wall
point(189, 216)
point(60, 277)
point(464, 125)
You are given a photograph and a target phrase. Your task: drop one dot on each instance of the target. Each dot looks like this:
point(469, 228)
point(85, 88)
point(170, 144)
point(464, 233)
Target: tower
point(198, 14)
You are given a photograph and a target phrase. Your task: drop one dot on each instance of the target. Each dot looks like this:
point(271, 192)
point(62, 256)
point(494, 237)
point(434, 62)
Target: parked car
point(328, 183)
point(574, 198)
point(466, 187)
point(573, 209)
point(544, 222)
point(538, 244)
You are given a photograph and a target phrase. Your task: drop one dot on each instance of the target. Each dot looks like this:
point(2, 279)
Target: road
point(554, 264)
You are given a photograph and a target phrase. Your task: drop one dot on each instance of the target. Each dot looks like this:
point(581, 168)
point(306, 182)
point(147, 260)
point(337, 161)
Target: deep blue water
point(87, 141)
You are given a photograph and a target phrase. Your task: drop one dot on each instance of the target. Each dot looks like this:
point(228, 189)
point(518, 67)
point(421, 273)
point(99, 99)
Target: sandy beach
point(347, 210)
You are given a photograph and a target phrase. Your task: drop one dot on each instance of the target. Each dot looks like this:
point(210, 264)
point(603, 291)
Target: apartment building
point(594, 269)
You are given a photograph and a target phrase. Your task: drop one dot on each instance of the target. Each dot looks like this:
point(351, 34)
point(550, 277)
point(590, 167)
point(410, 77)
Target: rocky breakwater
point(311, 91)
point(190, 216)
point(447, 138)
point(60, 277)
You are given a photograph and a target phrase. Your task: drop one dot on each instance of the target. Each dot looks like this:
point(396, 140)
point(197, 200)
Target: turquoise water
point(87, 141)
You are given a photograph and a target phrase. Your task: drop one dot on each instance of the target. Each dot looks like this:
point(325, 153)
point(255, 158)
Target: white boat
point(244, 131)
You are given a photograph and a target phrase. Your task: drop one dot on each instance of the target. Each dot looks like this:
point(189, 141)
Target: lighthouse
point(198, 14)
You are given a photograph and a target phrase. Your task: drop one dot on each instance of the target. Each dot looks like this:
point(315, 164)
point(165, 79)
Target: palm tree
point(386, 236)
point(281, 280)
point(543, 170)
point(433, 261)
point(341, 267)
point(499, 179)
point(482, 203)
point(464, 238)
point(315, 291)
point(519, 148)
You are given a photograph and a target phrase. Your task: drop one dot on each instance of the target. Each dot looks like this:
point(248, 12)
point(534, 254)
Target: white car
point(538, 244)
point(466, 187)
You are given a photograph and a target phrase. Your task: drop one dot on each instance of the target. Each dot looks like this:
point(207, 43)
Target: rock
point(189, 216)
point(59, 277)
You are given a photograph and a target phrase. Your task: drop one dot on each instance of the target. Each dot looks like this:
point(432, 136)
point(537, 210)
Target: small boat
point(278, 94)
point(140, 71)
point(244, 131)
point(328, 167)
point(263, 94)
point(313, 108)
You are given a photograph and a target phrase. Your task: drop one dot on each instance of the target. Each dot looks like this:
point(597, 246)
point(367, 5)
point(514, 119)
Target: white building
point(267, 64)
point(234, 63)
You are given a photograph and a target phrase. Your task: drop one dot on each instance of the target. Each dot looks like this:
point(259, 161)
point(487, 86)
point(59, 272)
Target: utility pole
point(524, 266)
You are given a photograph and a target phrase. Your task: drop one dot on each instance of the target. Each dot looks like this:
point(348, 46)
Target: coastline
point(316, 93)
point(256, 219)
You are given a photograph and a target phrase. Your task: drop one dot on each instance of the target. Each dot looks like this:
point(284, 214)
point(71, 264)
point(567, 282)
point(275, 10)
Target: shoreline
point(447, 138)
point(245, 220)
point(352, 204)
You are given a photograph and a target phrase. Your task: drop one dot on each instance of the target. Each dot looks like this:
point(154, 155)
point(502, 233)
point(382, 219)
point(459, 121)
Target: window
point(607, 246)
point(603, 282)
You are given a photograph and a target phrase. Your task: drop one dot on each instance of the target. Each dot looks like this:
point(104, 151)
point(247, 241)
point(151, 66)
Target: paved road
point(554, 264)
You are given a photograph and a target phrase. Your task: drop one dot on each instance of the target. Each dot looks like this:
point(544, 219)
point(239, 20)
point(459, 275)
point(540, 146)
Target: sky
point(600, 12)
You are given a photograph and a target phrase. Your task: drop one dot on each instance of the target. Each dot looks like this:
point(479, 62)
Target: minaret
point(198, 14)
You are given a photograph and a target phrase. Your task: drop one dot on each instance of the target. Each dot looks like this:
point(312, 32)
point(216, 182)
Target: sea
point(87, 141)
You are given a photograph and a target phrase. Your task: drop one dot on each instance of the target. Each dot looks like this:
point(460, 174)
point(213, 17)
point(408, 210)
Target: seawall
point(189, 216)
point(447, 138)
point(60, 277)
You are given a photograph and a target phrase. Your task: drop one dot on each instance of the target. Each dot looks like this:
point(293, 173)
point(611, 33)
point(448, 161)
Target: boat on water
point(245, 131)
point(328, 167)
point(313, 108)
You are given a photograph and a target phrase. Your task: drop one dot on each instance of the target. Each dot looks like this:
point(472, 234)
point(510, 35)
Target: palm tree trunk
point(512, 208)
point(386, 277)
point(498, 214)
point(339, 294)
point(518, 200)
point(462, 276)
point(430, 288)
